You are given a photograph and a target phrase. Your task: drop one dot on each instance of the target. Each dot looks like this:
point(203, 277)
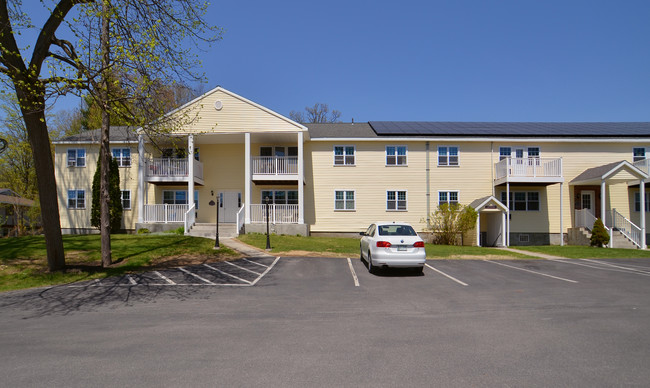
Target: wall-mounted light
point(212, 193)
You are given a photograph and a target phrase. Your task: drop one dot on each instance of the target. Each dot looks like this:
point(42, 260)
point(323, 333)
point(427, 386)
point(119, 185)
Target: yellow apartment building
point(531, 183)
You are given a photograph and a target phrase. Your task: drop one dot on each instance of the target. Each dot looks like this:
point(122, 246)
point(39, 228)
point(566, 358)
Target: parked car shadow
point(395, 272)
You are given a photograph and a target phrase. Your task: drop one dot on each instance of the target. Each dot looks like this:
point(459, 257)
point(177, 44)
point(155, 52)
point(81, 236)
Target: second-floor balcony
point(528, 170)
point(172, 170)
point(274, 167)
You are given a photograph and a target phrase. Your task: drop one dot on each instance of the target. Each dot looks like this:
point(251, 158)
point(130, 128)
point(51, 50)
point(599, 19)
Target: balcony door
point(519, 161)
point(229, 205)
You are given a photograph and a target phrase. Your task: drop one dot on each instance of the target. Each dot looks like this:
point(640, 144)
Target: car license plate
point(401, 247)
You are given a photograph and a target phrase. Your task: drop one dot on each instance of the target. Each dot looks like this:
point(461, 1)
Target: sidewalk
point(536, 254)
point(242, 248)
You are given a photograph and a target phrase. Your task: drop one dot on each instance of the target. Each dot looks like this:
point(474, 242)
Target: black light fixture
point(216, 239)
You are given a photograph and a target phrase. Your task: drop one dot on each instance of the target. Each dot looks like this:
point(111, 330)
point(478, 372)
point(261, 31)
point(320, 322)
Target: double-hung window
point(76, 199)
point(77, 157)
point(125, 196)
point(123, 156)
point(396, 155)
point(344, 156)
point(522, 200)
point(280, 197)
point(396, 200)
point(448, 156)
point(504, 152)
point(637, 202)
point(344, 200)
point(179, 197)
point(639, 153)
point(450, 197)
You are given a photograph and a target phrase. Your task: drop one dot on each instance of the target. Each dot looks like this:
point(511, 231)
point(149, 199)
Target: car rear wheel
point(371, 268)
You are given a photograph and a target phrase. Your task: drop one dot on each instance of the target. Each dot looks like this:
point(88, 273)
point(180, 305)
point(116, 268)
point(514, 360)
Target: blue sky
point(456, 60)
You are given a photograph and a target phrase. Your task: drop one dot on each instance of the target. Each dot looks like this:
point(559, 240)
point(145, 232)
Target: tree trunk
point(104, 152)
point(32, 107)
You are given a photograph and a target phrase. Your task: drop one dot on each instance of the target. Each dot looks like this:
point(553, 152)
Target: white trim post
point(507, 236)
point(642, 210)
point(478, 230)
point(190, 173)
point(141, 173)
point(603, 216)
point(247, 178)
point(301, 179)
point(503, 228)
point(561, 216)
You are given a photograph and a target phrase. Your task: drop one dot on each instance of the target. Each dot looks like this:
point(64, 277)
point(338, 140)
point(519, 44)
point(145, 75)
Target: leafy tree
point(450, 221)
point(599, 235)
point(319, 113)
point(115, 202)
point(138, 44)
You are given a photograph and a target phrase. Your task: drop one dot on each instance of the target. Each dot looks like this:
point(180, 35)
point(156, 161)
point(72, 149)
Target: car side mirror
point(362, 233)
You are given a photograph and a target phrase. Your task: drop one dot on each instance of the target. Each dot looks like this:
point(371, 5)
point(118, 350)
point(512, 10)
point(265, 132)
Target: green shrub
point(599, 235)
point(450, 222)
point(180, 230)
point(143, 231)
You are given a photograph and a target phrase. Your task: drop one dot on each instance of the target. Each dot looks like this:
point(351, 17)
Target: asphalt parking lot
point(328, 322)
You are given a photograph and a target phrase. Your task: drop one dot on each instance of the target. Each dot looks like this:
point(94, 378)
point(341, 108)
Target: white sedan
point(392, 244)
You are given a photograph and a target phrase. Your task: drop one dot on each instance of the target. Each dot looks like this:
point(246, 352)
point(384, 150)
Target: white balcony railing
point(529, 168)
point(172, 168)
point(165, 213)
point(275, 165)
point(278, 214)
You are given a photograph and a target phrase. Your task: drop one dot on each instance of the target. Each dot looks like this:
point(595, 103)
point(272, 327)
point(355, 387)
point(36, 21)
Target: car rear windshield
point(396, 230)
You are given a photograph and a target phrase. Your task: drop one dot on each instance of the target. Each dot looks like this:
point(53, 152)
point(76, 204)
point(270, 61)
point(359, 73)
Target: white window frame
point(346, 200)
point(196, 197)
point(637, 204)
point(273, 191)
point(447, 156)
point(526, 201)
point(503, 155)
point(397, 156)
point(76, 199)
point(122, 199)
point(646, 152)
point(121, 159)
point(345, 155)
point(77, 158)
point(396, 200)
point(448, 193)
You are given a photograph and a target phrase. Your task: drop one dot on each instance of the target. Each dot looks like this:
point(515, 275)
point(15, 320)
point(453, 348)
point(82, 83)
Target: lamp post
point(216, 240)
point(268, 239)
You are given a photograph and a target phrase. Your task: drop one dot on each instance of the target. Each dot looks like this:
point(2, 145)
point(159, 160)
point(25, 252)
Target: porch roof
point(608, 172)
point(481, 203)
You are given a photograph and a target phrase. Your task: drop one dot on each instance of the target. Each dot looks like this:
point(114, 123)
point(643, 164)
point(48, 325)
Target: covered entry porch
point(491, 222)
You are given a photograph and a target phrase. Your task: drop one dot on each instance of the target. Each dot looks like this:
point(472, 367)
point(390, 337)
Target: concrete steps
point(582, 236)
point(620, 241)
point(209, 230)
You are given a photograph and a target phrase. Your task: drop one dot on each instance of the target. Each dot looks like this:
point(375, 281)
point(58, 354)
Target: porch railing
point(278, 214)
point(529, 167)
point(190, 218)
point(616, 220)
point(584, 219)
point(170, 167)
point(240, 217)
point(274, 165)
point(165, 213)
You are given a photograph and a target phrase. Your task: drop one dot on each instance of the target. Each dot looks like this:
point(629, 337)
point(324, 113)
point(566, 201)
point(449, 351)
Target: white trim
point(345, 191)
point(449, 191)
point(70, 142)
point(119, 161)
point(466, 139)
point(406, 193)
point(448, 146)
point(344, 155)
point(396, 146)
point(130, 200)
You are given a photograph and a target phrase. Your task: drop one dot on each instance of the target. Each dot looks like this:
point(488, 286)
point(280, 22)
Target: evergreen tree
point(599, 235)
point(115, 195)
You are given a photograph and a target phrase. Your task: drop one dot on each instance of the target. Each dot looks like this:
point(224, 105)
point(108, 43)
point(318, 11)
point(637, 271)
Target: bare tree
point(319, 113)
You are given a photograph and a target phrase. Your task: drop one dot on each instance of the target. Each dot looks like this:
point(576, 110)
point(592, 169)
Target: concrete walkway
point(536, 254)
point(244, 249)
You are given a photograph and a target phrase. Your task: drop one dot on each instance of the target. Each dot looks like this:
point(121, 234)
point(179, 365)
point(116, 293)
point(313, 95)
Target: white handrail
point(190, 218)
point(278, 214)
point(171, 167)
point(528, 167)
point(626, 227)
point(584, 219)
point(164, 213)
point(240, 218)
point(274, 165)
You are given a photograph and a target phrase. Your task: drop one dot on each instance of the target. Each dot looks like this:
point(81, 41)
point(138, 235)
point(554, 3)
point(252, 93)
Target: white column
point(503, 227)
point(642, 210)
point(247, 178)
point(561, 217)
point(301, 179)
point(507, 235)
point(141, 167)
point(603, 216)
point(190, 172)
point(478, 230)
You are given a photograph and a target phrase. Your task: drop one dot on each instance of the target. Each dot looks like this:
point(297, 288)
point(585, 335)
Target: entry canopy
point(617, 172)
point(489, 203)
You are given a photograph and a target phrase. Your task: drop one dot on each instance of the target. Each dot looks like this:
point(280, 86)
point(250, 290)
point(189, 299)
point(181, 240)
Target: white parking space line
point(255, 262)
point(598, 267)
point(227, 274)
point(643, 271)
point(196, 276)
point(354, 274)
point(265, 272)
point(446, 275)
point(165, 278)
point(245, 269)
point(131, 280)
point(530, 271)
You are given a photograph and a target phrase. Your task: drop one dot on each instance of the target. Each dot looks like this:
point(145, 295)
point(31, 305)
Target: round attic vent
point(218, 105)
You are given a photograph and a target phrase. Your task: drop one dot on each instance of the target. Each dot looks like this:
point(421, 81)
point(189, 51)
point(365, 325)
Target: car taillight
point(419, 244)
point(383, 244)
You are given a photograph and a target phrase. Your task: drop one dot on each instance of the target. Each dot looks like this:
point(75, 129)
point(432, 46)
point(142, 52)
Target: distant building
point(12, 208)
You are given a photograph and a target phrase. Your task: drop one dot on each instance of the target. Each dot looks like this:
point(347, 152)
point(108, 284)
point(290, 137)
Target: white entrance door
point(229, 204)
point(587, 201)
point(519, 161)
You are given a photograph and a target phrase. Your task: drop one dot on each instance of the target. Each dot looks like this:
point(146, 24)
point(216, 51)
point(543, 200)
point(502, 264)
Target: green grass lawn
point(583, 252)
point(23, 261)
point(349, 247)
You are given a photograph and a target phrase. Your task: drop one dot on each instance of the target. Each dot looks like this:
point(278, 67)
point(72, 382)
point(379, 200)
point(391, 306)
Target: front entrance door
point(587, 201)
point(229, 205)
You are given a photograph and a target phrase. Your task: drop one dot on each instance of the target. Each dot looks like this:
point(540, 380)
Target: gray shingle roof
point(511, 129)
point(118, 134)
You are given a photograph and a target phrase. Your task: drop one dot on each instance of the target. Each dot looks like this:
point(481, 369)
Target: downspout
point(492, 167)
point(428, 190)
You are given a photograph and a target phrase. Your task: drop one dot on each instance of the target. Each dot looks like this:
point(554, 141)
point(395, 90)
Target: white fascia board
point(94, 142)
point(635, 140)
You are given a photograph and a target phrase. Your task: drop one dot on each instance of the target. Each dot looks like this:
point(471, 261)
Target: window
point(344, 155)
point(77, 157)
point(447, 156)
point(396, 155)
point(344, 200)
point(179, 197)
point(522, 200)
point(396, 200)
point(504, 152)
point(637, 202)
point(639, 153)
point(123, 156)
point(197, 154)
point(396, 230)
point(174, 153)
point(76, 199)
point(280, 197)
point(125, 196)
point(450, 197)
point(533, 152)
